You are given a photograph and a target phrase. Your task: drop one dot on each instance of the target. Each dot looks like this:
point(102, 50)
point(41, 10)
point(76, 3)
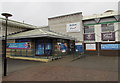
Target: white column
point(98, 33)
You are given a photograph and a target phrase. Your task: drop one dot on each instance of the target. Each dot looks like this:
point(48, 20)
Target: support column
point(44, 41)
point(68, 46)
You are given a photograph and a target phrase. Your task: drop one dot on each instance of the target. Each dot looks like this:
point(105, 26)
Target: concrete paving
point(90, 68)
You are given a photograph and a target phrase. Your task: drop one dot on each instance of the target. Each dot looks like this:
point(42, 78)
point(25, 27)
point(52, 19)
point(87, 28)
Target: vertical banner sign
point(108, 36)
point(73, 27)
point(91, 47)
point(89, 36)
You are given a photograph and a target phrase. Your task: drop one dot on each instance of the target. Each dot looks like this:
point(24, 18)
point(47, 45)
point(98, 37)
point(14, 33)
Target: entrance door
point(48, 49)
point(43, 48)
point(40, 49)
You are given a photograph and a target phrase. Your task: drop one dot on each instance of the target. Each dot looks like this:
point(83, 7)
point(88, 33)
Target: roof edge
point(64, 15)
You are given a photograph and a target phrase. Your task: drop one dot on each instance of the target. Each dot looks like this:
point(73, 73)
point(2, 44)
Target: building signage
point(63, 47)
point(91, 47)
point(78, 47)
point(73, 27)
point(18, 45)
point(89, 36)
point(108, 36)
point(110, 46)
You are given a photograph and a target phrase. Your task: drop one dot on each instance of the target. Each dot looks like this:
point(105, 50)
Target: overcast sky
point(37, 13)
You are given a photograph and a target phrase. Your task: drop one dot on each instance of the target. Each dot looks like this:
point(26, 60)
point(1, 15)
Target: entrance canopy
point(39, 33)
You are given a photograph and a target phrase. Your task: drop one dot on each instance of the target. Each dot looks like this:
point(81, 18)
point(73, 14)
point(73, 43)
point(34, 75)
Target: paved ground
point(90, 68)
point(17, 65)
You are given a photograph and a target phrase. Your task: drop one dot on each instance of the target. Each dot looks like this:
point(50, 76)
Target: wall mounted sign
point(63, 47)
point(108, 36)
point(89, 36)
point(91, 47)
point(78, 47)
point(110, 46)
point(18, 45)
point(73, 27)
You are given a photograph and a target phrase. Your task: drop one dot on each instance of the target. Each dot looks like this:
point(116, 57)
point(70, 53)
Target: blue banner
point(79, 48)
point(63, 47)
point(110, 46)
point(18, 45)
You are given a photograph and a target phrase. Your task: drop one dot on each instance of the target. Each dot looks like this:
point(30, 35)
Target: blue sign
point(79, 48)
point(63, 47)
point(18, 45)
point(110, 46)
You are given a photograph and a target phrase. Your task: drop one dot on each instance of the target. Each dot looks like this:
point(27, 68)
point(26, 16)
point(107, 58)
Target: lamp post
point(5, 43)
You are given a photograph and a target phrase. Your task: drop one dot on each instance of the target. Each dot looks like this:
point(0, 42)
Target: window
point(107, 27)
point(89, 29)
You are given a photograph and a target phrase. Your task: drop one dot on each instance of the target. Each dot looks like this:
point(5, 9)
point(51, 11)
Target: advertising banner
point(89, 36)
point(91, 47)
point(18, 45)
point(110, 46)
point(108, 36)
point(63, 47)
point(73, 27)
point(78, 47)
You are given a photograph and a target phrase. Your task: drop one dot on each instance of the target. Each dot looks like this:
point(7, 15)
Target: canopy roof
point(17, 24)
point(39, 33)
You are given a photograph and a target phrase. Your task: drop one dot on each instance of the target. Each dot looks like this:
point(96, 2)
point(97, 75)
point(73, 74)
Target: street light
point(5, 43)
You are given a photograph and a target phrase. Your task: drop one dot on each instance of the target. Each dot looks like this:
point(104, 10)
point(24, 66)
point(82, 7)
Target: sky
point(37, 13)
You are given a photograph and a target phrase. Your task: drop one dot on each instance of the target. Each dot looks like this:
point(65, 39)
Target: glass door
point(43, 47)
point(48, 49)
point(40, 49)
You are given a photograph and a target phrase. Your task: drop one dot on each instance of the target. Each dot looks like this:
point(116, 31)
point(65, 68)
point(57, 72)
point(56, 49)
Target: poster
point(73, 27)
point(78, 47)
point(91, 47)
point(110, 46)
point(89, 36)
point(108, 36)
point(25, 45)
point(63, 47)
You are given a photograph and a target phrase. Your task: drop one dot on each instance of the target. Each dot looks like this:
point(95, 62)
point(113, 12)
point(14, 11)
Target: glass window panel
point(107, 27)
point(89, 29)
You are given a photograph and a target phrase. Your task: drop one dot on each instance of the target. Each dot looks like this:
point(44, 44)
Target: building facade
point(40, 43)
point(99, 34)
point(70, 24)
point(102, 33)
